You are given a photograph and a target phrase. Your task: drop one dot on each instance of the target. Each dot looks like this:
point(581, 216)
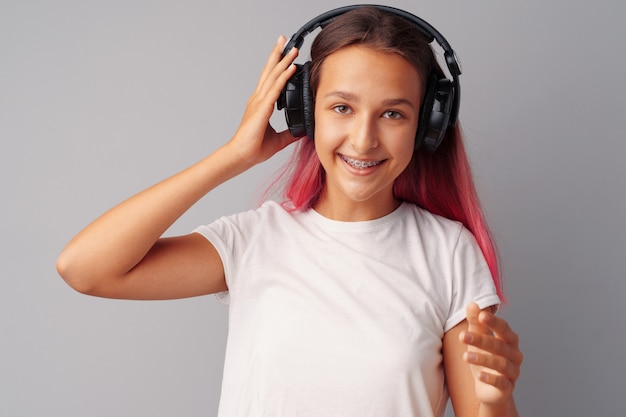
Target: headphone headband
point(325, 18)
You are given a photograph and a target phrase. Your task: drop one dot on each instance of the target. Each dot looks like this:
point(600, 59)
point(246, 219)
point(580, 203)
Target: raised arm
point(122, 254)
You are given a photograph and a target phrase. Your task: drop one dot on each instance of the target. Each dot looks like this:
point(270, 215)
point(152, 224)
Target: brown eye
point(341, 108)
point(391, 114)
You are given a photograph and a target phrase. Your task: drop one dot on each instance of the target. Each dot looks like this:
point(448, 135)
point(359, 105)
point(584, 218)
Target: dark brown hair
point(373, 28)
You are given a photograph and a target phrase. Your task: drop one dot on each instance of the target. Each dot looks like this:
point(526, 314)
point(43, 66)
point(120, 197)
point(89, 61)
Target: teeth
point(359, 164)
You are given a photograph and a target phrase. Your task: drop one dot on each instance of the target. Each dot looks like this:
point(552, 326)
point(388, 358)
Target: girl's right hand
point(255, 140)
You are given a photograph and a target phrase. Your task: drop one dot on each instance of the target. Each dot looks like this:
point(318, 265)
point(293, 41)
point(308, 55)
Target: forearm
point(118, 240)
point(482, 363)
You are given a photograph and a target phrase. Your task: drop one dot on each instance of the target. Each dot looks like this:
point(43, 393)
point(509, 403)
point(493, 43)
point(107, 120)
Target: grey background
point(99, 99)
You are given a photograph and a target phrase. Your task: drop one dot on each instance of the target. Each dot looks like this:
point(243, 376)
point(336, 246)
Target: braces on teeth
point(360, 164)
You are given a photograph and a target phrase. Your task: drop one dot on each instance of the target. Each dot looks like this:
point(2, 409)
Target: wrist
point(232, 156)
point(504, 408)
point(238, 155)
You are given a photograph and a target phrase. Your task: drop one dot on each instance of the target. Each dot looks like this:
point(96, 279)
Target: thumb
point(472, 311)
point(285, 138)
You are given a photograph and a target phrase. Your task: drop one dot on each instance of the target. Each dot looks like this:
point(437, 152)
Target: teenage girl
point(370, 290)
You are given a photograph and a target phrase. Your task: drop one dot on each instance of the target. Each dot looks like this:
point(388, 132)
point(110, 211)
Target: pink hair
point(442, 183)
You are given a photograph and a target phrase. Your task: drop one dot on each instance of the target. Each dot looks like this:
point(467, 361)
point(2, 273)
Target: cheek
point(403, 149)
point(404, 162)
point(328, 136)
point(323, 147)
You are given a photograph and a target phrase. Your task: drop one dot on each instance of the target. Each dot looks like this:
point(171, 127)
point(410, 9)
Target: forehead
point(367, 72)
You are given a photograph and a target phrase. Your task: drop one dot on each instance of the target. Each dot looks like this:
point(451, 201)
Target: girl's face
point(366, 113)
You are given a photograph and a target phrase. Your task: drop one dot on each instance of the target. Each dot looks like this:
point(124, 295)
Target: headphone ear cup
point(308, 107)
point(296, 100)
point(427, 106)
point(435, 113)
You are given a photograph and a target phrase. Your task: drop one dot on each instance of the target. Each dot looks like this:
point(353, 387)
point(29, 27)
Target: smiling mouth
point(356, 163)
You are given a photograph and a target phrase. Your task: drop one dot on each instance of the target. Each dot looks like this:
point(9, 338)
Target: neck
point(354, 211)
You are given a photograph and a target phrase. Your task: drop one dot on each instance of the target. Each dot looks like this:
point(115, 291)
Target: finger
point(499, 364)
point(283, 70)
point(277, 78)
point(267, 93)
point(276, 65)
point(261, 103)
point(493, 346)
point(498, 381)
point(499, 326)
point(273, 58)
point(472, 313)
point(486, 343)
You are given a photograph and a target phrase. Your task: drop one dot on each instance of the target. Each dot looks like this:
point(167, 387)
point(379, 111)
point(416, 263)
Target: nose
point(364, 135)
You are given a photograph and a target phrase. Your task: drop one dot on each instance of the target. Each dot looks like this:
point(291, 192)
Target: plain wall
point(99, 99)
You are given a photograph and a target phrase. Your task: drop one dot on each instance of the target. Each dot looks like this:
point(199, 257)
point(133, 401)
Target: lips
point(360, 164)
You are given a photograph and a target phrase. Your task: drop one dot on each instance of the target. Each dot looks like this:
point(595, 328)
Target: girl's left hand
point(493, 354)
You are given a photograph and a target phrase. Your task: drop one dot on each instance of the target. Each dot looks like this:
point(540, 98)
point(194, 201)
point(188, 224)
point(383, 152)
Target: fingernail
point(469, 338)
point(471, 357)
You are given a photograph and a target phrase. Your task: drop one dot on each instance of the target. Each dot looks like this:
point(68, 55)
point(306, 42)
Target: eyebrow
point(353, 97)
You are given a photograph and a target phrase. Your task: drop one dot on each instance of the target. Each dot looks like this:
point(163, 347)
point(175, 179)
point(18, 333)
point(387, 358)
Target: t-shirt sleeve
point(227, 236)
point(471, 279)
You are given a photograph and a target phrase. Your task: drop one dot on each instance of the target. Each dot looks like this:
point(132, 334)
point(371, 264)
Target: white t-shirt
point(342, 319)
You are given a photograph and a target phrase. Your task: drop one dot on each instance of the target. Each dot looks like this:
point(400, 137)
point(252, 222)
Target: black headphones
point(440, 107)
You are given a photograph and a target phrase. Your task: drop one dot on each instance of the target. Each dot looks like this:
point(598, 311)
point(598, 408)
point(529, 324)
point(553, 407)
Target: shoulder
point(266, 211)
point(430, 223)
point(441, 234)
point(267, 217)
